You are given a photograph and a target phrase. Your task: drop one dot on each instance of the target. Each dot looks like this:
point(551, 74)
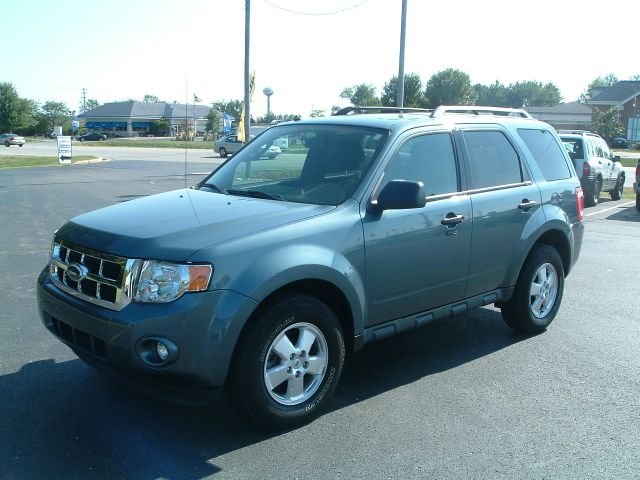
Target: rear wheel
point(6, 144)
point(21, 144)
point(222, 152)
point(616, 193)
point(290, 364)
point(538, 292)
point(592, 200)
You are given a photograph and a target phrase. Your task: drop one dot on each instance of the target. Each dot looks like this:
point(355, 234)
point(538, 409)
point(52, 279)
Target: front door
point(414, 262)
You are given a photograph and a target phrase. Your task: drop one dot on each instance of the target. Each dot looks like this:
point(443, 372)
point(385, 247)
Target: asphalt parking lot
point(461, 398)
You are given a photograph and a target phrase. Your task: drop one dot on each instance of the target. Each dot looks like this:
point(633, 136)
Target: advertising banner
point(64, 149)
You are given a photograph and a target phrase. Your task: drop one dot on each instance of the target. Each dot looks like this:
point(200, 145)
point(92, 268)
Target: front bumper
point(204, 326)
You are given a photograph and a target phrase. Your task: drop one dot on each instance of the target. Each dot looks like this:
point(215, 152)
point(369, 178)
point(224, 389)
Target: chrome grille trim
point(113, 287)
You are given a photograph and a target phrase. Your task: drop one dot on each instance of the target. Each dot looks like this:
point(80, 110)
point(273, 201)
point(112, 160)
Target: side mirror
point(616, 158)
point(399, 195)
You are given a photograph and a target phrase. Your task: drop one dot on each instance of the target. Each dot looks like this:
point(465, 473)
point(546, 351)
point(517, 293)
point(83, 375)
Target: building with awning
point(132, 119)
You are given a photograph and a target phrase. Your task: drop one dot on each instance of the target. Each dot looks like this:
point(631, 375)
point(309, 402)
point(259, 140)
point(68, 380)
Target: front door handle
point(451, 220)
point(527, 204)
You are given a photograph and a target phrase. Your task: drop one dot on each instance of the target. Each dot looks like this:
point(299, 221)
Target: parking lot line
point(607, 209)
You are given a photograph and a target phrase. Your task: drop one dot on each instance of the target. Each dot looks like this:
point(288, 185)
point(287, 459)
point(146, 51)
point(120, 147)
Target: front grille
point(93, 276)
point(78, 338)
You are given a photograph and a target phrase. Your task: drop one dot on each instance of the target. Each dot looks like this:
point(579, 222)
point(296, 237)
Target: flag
point(252, 85)
point(241, 127)
point(196, 98)
point(226, 123)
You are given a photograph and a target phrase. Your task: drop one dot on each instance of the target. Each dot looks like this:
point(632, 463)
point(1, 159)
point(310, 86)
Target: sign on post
point(64, 149)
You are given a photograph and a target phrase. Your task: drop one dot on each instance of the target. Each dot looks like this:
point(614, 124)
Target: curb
point(94, 160)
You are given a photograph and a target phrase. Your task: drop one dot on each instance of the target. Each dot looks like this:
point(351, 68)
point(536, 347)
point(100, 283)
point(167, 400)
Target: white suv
point(596, 166)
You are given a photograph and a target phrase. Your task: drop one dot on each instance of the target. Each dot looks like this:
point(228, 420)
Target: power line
point(295, 12)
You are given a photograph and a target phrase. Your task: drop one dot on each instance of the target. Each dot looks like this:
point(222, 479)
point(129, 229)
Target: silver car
point(227, 144)
point(9, 139)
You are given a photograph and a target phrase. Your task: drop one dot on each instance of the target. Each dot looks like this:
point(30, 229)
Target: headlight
point(162, 282)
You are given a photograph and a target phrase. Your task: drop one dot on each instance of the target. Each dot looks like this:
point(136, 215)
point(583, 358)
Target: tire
point(293, 337)
point(6, 144)
point(222, 152)
point(530, 312)
point(616, 193)
point(638, 202)
point(21, 145)
point(592, 200)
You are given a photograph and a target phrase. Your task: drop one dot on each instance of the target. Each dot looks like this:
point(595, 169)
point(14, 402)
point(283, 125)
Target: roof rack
point(476, 110)
point(355, 110)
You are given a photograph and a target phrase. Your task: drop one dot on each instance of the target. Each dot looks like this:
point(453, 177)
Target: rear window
point(547, 153)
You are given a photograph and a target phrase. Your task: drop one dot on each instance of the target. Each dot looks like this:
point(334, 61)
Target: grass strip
point(19, 161)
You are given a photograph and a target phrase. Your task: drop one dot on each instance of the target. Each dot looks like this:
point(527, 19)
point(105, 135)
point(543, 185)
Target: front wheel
point(290, 364)
point(616, 193)
point(538, 293)
point(6, 144)
point(222, 152)
point(22, 144)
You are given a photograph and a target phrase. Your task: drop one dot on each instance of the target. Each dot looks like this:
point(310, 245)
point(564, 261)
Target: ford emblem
point(76, 272)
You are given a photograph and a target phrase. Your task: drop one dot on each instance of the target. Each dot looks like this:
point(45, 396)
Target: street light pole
point(247, 113)
point(403, 28)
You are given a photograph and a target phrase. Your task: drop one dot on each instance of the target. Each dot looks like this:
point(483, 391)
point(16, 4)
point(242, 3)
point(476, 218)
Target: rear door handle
point(451, 220)
point(527, 204)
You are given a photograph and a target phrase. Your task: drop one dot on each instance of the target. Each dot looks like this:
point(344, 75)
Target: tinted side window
point(606, 153)
point(429, 159)
point(492, 159)
point(546, 152)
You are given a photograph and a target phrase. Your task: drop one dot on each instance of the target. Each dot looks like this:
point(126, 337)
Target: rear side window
point(546, 152)
point(492, 159)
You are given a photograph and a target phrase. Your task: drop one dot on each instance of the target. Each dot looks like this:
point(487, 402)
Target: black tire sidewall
point(517, 312)
point(250, 385)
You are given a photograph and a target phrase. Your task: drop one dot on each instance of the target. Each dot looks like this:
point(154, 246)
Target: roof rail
point(355, 110)
point(476, 110)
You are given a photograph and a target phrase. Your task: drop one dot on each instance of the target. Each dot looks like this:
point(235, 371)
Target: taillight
point(586, 169)
point(580, 203)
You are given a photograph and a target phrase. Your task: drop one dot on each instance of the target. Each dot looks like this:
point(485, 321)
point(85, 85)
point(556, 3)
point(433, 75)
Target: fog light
point(162, 351)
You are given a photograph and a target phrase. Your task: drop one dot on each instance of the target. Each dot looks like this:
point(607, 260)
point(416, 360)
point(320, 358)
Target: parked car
point(266, 274)
point(598, 169)
point(227, 144)
point(50, 134)
point(9, 139)
point(619, 142)
point(91, 136)
point(273, 151)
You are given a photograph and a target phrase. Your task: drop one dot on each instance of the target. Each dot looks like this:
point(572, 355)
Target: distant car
point(12, 139)
point(273, 151)
point(50, 134)
point(93, 136)
point(227, 144)
point(636, 186)
point(598, 169)
point(619, 142)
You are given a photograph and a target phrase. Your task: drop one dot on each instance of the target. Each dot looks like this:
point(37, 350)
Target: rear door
point(503, 199)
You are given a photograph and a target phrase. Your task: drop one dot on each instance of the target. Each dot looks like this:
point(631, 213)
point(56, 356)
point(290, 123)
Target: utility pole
point(403, 28)
point(247, 112)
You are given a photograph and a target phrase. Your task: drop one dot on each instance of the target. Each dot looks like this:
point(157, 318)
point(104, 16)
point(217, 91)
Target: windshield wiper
point(214, 187)
point(256, 194)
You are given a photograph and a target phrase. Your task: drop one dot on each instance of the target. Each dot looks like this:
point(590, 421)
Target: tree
point(607, 124)
point(89, 104)
point(606, 81)
point(315, 113)
point(413, 96)
point(495, 95)
point(267, 118)
point(15, 112)
point(362, 95)
point(150, 98)
point(533, 94)
point(232, 108)
point(213, 121)
point(55, 113)
point(450, 87)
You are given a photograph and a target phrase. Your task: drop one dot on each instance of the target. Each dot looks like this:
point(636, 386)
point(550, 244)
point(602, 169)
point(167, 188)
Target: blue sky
point(123, 49)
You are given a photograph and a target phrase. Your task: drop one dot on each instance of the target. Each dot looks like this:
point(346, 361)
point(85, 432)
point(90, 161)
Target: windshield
point(318, 164)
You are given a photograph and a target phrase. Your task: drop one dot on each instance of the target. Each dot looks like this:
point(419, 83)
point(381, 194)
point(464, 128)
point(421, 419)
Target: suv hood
point(174, 225)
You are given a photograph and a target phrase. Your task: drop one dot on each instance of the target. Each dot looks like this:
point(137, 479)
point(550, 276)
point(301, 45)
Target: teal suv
point(268, 273)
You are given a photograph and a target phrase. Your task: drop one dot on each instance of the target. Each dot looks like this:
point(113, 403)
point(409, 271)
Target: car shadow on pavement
point(625, 214)
point(65, 420)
